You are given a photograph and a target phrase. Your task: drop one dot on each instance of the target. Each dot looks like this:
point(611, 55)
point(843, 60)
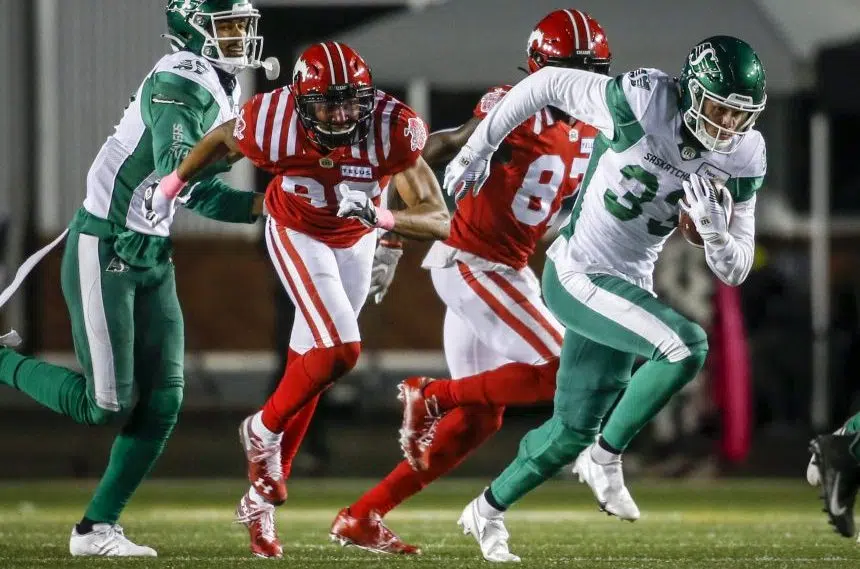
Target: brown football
point(689, 231)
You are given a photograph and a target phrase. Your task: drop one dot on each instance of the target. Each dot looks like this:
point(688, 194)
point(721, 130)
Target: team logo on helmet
point(703, 61)
point(417, 133)
point(301, 69)
point(535, 40)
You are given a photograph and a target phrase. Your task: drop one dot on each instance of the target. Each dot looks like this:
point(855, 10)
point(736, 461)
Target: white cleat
point(607, 483)
point(490, 533)
point(106, 540)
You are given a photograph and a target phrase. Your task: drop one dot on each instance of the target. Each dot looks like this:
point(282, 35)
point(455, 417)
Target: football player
point(501, 342)
point(664, 144)
point(835, 466)
point(333, 142)
point(117, 275)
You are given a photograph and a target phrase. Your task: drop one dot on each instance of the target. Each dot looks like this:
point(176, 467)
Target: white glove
point(354, 203)
point(708, 206)
point(156, 206)
point(467, 171)
point(384, 264)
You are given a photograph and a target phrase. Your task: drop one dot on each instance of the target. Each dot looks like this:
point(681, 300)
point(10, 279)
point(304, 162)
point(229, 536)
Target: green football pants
point(609, 323)
point(128, 335)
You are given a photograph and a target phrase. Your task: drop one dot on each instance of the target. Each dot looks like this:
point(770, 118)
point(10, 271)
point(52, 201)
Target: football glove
point(385, 261)
point(356, 204)
point(467, 171)
point(156, 206)
point(708, 205)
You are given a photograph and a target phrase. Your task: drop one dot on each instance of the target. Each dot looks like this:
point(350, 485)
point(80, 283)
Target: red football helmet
point(569, 38)
point(335, 96)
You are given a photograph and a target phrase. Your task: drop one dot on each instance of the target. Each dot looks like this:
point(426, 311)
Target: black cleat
point(840, 478)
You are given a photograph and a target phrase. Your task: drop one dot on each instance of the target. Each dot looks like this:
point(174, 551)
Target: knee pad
point(156, 416)
point(325, 365)
point(689, 339)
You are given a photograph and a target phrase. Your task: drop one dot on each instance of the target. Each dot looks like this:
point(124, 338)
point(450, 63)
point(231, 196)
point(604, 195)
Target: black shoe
point(840, 478)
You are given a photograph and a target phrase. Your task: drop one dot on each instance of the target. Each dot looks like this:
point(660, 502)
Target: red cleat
point(368, 533)
point(420, 417)
point(264, 464)
point(260, 521)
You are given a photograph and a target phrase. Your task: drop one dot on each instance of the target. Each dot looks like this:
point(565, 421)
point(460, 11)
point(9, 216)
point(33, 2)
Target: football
point(689, 231)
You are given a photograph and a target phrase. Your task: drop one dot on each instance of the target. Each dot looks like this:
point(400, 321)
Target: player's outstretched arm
point(426, 215)
point(580, 94)
point(443, 145)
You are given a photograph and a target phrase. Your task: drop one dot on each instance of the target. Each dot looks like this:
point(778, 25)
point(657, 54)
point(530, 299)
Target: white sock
point(602, 456)
point(261, 430)
point(486, 510)
point(255, 496)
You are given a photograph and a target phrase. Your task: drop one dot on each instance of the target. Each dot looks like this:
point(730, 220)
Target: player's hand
point(385, 260)
point(156, 206)
point(354, 203)
point(708, 205)
point(467, 171)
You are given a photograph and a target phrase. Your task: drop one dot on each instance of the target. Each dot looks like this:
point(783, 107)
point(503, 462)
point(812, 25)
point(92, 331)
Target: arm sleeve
point(580, 94)
point(732, 260)
point(216, 200)
point(178, 111)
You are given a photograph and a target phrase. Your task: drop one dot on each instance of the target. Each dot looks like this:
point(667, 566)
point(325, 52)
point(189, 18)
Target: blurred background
point(69, 67)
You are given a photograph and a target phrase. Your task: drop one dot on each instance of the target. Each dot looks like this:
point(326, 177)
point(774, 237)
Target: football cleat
point(813, 473)
point(607, 483)
point(369, 534)
point(490, 533)
point(259, 518)
point(106, 540)
point(264, 463)
point(840, 478)
point(420, 417)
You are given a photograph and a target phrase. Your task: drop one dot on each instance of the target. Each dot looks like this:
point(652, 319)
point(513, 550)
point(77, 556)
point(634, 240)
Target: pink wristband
point(171, 185)
point(384, 219)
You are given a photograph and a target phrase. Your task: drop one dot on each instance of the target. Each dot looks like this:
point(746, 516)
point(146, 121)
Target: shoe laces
point(261, 516)
point(270, 454)
point(431, 422)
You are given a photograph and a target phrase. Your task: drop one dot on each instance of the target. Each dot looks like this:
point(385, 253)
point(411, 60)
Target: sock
point(510, 384)
point(136, 449)
point(255, 496)
point(488, 506)
point(649, 390)
point(85, 526)
point(294, 433)
point(458, 433)
point(305, 377)
point(603, 453)
point(260, 428)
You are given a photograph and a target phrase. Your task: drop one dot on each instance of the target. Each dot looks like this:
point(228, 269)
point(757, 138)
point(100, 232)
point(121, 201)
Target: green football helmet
point(727, 71)
point(191, 26)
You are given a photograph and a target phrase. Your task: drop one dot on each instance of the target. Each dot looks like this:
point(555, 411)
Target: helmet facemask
point(354, 104)
point(252, 43)
point(697, 122)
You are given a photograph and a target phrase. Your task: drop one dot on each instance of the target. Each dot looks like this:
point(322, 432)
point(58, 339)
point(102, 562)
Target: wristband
point(384, 219)
point(171, 185)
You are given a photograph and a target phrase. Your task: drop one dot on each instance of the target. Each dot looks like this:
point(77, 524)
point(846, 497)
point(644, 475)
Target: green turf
point(725, 524)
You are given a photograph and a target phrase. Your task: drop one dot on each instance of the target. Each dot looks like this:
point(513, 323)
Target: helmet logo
point(301, 70)
point(417, 133)
point(535, 40)
point(703, 61)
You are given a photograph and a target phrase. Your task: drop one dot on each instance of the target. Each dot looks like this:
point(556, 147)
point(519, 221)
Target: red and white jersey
point(522, 197)
point(301, 196)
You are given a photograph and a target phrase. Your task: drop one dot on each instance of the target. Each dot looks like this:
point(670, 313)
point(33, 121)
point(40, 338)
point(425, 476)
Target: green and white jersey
point(179, 101)
point(627, 204)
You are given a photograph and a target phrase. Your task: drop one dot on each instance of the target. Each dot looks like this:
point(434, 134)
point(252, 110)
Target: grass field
point(726, 524)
